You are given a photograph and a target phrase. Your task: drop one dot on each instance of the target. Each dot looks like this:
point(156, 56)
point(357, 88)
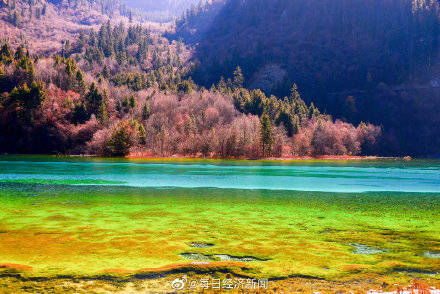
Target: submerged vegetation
point(336, 236)
point(230, 79)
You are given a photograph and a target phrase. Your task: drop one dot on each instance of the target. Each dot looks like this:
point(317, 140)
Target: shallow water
point(324, 176)
point(85, 216)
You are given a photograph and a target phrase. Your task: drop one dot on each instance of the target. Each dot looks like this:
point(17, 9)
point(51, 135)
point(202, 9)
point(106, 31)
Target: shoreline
point(282, 159)
point(178, 157)
point(161, 281)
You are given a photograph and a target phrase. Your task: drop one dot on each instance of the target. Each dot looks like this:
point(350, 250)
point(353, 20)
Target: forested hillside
point(195, 22)
point(175, 6)
point(48, 26)
point(124, 89)
point(358, 60)
point(161, 10)
point(249, 79)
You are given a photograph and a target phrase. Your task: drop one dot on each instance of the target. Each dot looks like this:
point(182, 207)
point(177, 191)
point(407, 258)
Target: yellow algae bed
point(98, 237)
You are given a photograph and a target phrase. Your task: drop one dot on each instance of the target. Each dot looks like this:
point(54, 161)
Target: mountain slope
point(161, 11)
point(342, 54)
point(337, 44)
point(44, 25)
point(174, 6)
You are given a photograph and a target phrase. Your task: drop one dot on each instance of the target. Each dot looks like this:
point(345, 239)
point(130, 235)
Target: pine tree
point(222, 86)
point(27, 66)
point(185, 87)
point(28, 99)
point(37, 94)
point(80, 83)
point(71, 67)
point(313, 111)
point(6, 56)
point(120, 141)
point(80, 114)
point(146, 112)
point(286, 120)
point(94, 100)
point(132, 102)
point(20, 53)
point(238, 80)
point(256, 103)
point(294, 94)
point(103, 113)
point(266, 135)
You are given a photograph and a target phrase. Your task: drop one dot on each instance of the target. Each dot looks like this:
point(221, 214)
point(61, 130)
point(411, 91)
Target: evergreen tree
point(266, 135)
point(80, 114)
point(103, 113)
point(28, 99)
point(238, 80)
point(71, 67)
point(120, 141)
point(26, 65)
point(80, 83)
point(146, 112)
point(256, 103)
point(294, 94)
point(286, 120)
point(94, 100)
point(6, 55)
point(20, 53)
point(132, 102)
point(185, 87)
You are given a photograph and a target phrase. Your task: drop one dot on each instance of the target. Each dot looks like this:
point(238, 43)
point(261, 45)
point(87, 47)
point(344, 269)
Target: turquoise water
point(345, 176)
point(330, 219)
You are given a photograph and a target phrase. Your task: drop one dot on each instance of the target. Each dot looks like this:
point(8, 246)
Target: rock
point(367, 250)
point(431, 254)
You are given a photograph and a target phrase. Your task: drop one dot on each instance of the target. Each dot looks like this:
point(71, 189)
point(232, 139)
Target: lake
point(327, 219)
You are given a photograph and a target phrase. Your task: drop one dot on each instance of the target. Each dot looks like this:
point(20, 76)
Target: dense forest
point(176, 7)
point(233, 79)
point(161, 10)
point(357, 60)
point(196, 21)
point(122, 90)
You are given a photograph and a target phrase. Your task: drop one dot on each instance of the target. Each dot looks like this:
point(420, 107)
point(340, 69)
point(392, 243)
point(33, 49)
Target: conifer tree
point(145, 112)
point(94, 100)
point(238, 80)
point(6, 55)
point(120, 141)
point(266, 135)
point(80, 83)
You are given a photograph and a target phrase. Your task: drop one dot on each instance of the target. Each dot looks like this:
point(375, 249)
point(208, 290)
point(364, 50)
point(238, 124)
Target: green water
point(323, 219)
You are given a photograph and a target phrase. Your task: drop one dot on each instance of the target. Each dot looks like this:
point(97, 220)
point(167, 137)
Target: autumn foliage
point(74, 106)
